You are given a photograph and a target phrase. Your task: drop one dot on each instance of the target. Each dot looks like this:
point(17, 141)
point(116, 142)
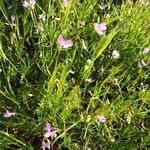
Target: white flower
point(146, 50)
point(25, 4)
point(13, 17)
point(41, 17)
point(115, 54)
point(29, 4)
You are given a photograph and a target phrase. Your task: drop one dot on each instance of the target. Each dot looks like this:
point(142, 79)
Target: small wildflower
point(8, 114)
point(115, 54)
point(32, 3)
point(29, 4)
point(13, 17)
point(146, 50)
point(0, 70)
point(64, 43)
point(41, 17)
point(101, 119)
point(100, 28)
point(25, 4)
point(48, 130)
point(65, 2)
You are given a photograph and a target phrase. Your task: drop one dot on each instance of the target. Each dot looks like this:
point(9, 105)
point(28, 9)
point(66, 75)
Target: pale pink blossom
point(146, 50)
point(25, 4)
point(29, 4)
point(8, 114)
point(13, 17)
point(64, 43)
point(115, 54)
point(100, 28)
point(48, 130)
point(65, 2)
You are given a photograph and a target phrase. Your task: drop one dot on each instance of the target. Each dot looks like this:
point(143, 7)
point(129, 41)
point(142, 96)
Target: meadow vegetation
point(74, 74)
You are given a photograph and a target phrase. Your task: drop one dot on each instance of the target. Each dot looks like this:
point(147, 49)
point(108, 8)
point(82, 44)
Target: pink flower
point(48, 130)
point(65, 2)
point(146, 50)
point(13, 17)
point(101, 119)
point(8, 114)
point(100, 28)
point(32, 3)
point(64, 43)
point(115, 54)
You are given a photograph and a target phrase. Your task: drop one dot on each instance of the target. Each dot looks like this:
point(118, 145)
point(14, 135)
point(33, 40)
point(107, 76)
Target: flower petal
point(8, 114)
point(100, 28)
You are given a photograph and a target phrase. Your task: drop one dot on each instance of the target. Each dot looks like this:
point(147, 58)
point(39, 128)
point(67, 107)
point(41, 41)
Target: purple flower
point(100, 28)
point(64, 43)
point(146, 50)
point(115, 54)
point(48, 130)
point(65, 2)
point(41, 17)
point(13, 17)
point(8, 114)
point(101, 119)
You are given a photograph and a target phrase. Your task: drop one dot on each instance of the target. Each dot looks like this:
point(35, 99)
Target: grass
point(68, 88)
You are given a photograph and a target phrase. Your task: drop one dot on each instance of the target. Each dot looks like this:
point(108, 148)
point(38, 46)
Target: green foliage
point(42, 82)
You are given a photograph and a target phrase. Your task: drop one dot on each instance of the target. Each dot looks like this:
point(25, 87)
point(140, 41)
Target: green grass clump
point(42, 82)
